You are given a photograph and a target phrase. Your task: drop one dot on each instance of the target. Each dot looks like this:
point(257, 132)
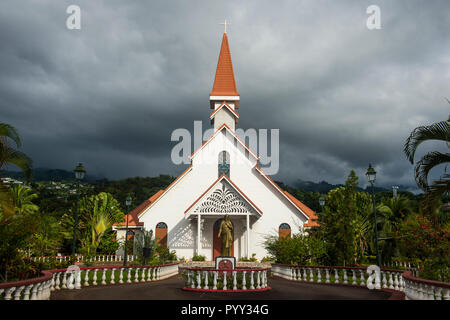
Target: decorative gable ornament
point(224, 200)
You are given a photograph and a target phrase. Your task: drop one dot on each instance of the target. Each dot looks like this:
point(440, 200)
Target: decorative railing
point(76, 278)
point(225, 280)
point(422, 289)
point(81, 258)
point(398, 280)
point(389, 279)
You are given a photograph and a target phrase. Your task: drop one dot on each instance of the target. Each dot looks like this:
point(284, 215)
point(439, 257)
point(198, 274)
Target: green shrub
point(198, 258)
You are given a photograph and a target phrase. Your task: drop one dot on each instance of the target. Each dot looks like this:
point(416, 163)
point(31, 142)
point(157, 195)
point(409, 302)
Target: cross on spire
point(225, 25)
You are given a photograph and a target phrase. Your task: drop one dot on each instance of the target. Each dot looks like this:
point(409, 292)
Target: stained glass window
point(224, 163)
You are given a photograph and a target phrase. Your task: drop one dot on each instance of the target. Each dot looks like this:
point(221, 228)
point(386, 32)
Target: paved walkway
point(170, 289)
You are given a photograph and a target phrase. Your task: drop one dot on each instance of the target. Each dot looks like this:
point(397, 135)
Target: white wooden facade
point(193, 203)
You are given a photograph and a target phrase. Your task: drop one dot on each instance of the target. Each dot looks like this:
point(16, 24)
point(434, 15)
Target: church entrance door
point(217, 242)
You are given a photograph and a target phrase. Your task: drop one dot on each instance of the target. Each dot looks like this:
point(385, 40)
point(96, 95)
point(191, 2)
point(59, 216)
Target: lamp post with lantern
point(79, 171)
point(127, 203)
point(371, 176)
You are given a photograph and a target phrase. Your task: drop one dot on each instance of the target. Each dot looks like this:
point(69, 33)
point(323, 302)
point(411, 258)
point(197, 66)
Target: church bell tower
point(224, 98)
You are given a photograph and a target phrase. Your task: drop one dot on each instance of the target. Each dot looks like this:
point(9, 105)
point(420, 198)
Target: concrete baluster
point(199, 279)
point(26, 293)
point(224, 280)
point(86, 278)
point(8, 293)
point(243, 280)
point(17, 292)
point(336, 276)
point(383, 273)
point(121, 275)
point(362, 280)
point(319, 276)
point(206, 281)
point(353, 277)
point(70, 280)
point(77, 276)
point(327, 276)
point(345, 276)
point(215, 280)
point(391, 281)
point(252, 283)
point(129, 275)
point(112, 279)
point(136, 275)
point(94, 280)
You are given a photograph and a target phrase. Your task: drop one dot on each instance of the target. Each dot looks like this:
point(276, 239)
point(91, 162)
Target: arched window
point(161, 234)
point(224, 163)
point(284, 231)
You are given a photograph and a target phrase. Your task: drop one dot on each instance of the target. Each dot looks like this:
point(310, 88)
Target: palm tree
point(23, 199)
point(9, 155)
point(392, 212)
point(437, 131)
point(98, 214)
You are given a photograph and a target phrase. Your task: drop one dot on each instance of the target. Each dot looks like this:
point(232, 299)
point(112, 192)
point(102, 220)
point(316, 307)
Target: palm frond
point(20, 160)
point(428, 162)
point(434, 193)
point(436, 131)
point(9, 131)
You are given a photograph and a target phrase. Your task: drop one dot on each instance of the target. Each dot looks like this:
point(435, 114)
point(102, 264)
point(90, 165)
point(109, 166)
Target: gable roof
point(163, 192)
point(224, 126)
point(224, 104)
point(225, 177)
point(224, 83)
point(304, 209)
point(133, 218)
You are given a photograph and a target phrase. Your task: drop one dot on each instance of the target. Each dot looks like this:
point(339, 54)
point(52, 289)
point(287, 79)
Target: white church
point(224, 177)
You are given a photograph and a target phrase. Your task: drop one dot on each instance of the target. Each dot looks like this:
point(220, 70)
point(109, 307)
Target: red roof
point(133, 219)
point(297, 203)
point(224, 83)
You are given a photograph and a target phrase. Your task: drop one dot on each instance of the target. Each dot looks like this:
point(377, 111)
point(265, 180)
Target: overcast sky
point(109, 95)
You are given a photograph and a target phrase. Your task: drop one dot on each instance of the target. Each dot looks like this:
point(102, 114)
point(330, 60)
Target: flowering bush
point(428, 243)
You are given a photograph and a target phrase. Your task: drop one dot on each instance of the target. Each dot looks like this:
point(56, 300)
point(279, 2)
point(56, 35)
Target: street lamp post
point(79, 175)
point(128, 203)
point(322, 204)
point(371, 176)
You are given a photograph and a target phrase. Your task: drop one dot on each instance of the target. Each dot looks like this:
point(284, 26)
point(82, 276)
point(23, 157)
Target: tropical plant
point(97, 215)
point(439, 131)
point(9, 155)
point(23, 199)
point(300, 249)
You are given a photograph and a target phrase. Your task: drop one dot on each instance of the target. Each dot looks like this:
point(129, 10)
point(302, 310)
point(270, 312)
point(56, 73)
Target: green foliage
point(145, 240)
point(301, 249)
point(251, 259)
point(268, 259)
point(16, 230)
point(422, 240)
point(97, 214)
point(198, 258)
point(108, 243)
point(345, 223)
point(165, 255)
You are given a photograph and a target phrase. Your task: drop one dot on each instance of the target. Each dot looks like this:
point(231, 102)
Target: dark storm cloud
point(111, 93)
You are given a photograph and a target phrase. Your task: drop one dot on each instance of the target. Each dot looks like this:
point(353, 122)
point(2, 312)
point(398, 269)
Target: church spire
point(224, 88)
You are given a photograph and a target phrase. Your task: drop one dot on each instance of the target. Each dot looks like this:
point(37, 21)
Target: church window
point(161, 234)
point(284, 231)
point(224, 163)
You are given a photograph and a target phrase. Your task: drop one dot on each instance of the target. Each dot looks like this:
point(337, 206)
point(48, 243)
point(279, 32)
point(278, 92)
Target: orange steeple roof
point(224, 83)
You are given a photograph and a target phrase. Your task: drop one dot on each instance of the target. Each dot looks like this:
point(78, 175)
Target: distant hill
point(325, 187)
point(44, 174)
